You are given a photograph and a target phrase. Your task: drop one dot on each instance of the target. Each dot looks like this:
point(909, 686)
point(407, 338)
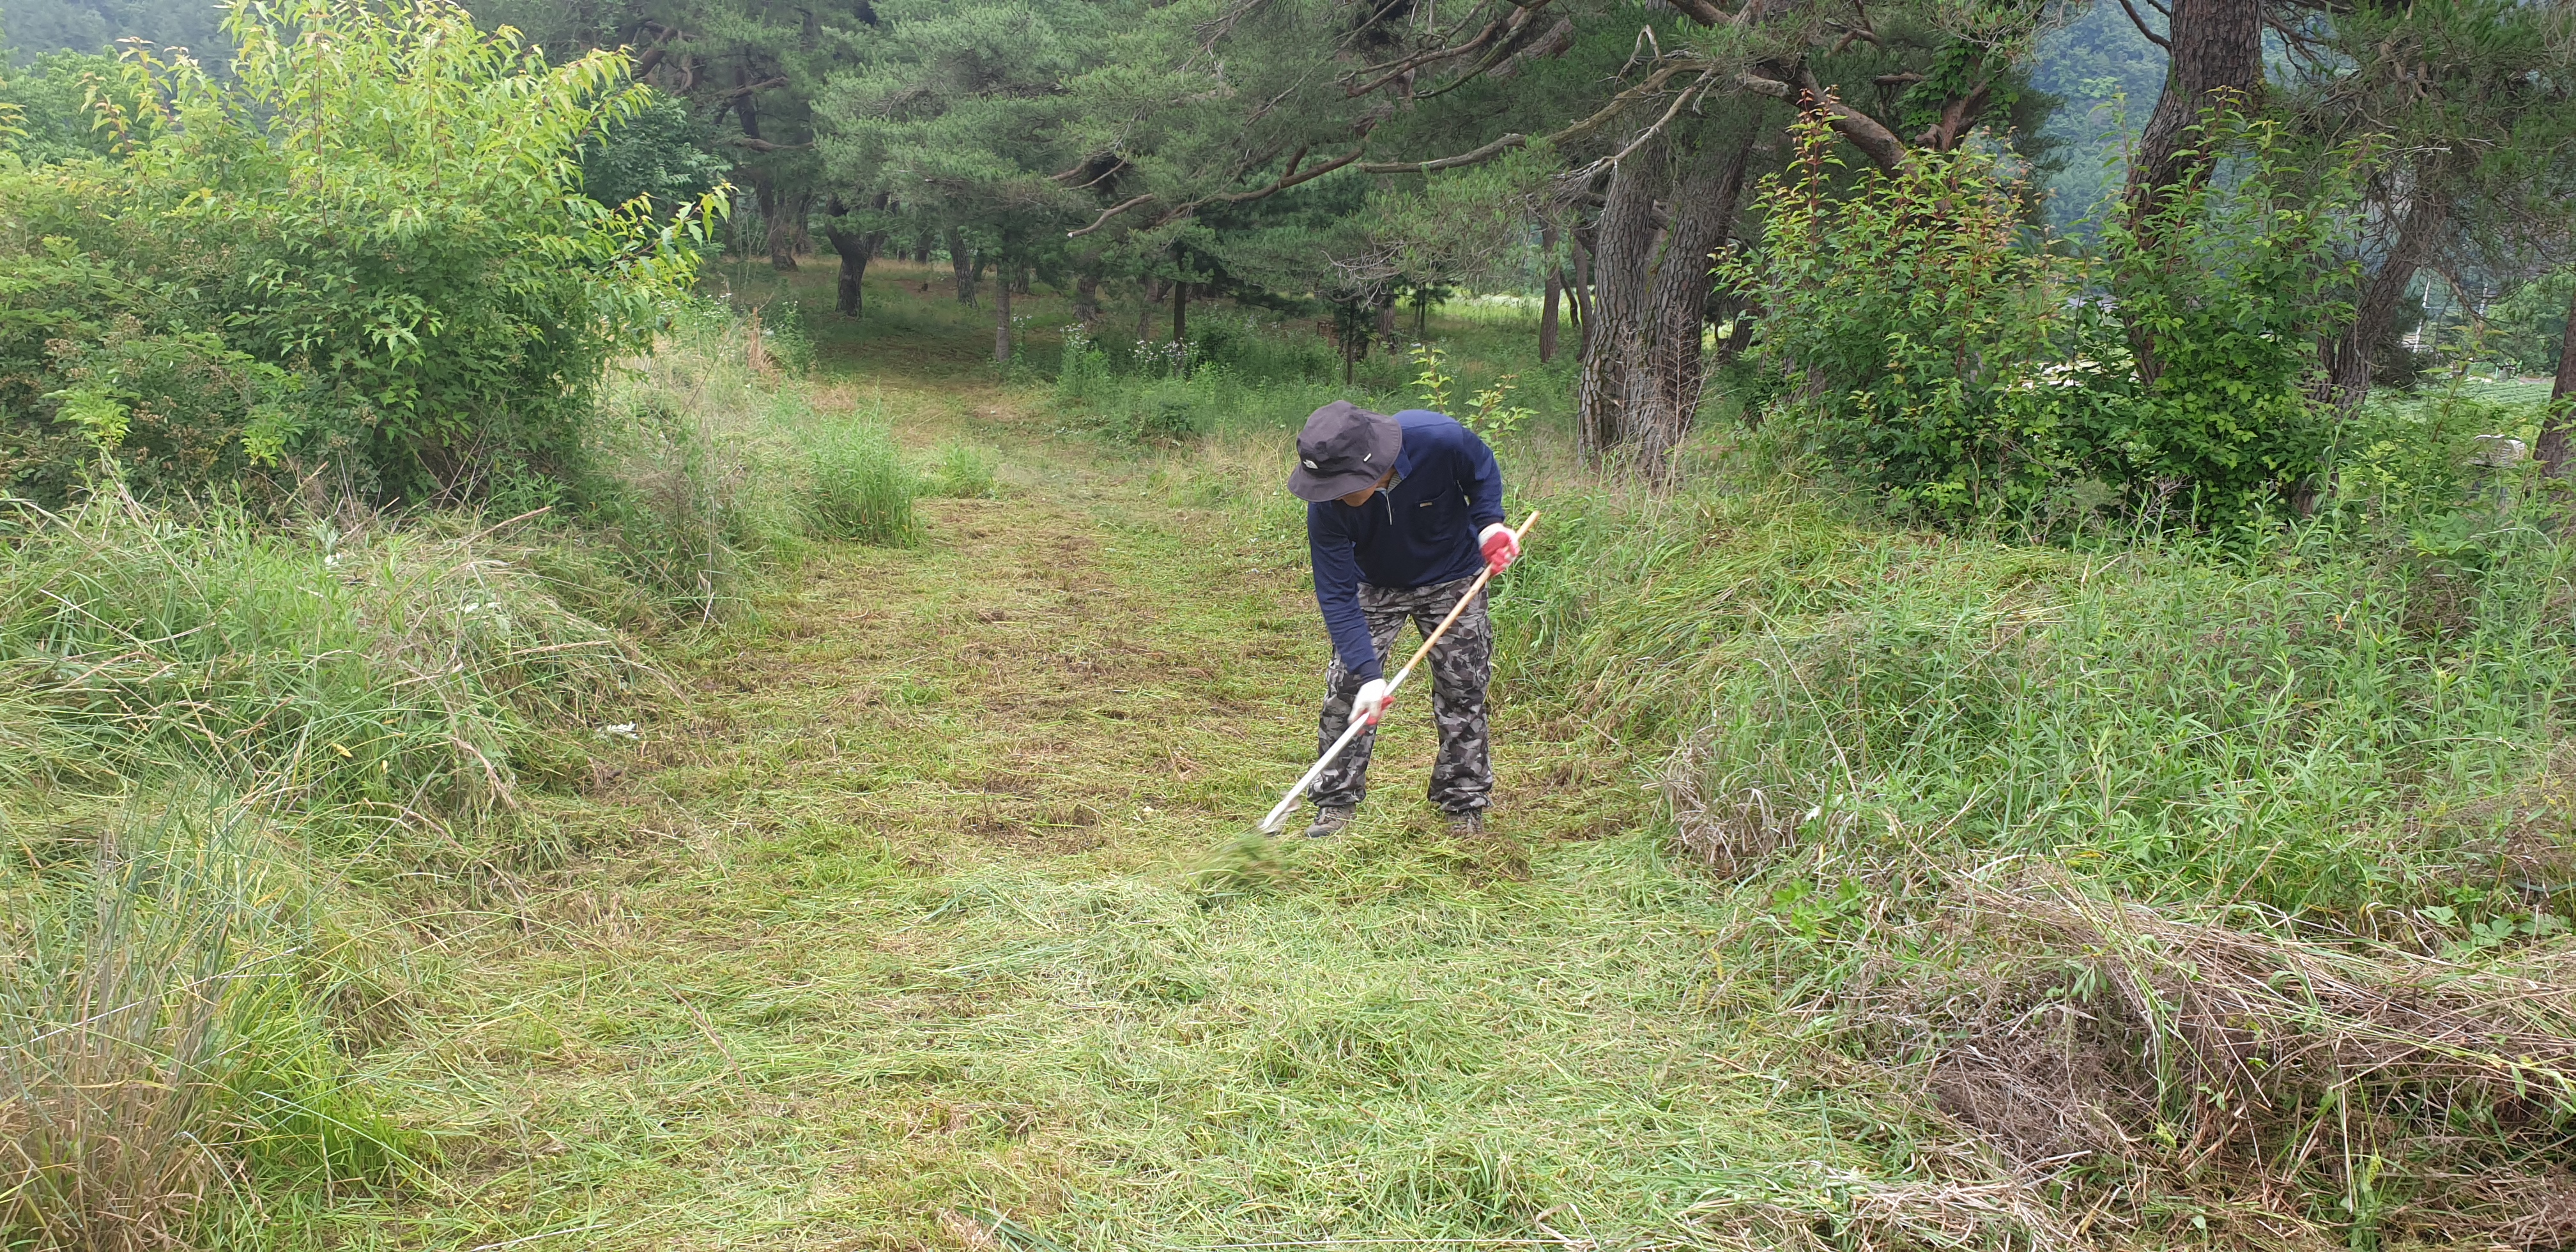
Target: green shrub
point(371, 202)
point(1924, 347)
point(860, 487)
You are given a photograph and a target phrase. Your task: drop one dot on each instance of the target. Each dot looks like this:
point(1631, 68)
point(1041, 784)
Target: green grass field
point(929, 918)
point(842, 839)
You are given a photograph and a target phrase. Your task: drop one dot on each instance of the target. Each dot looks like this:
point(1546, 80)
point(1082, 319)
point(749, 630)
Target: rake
point(1279, 812)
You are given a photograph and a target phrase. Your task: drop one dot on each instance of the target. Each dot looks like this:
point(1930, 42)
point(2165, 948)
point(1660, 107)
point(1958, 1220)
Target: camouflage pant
point(1463, 775)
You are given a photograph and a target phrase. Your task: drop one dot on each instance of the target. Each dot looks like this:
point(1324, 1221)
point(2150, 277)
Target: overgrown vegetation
point(499, 749)
point(360, 253)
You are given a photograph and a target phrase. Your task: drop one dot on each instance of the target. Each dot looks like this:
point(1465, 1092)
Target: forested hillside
point(664, 624)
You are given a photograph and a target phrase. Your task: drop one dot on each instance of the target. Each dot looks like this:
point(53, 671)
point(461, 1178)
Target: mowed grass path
point(929, 921)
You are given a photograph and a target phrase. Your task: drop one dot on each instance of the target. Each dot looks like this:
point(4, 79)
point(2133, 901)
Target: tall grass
point(2239, 841)
point(158, 1048)
point(411, 672)
point(962, 472)
point(859, 486)
point(2261, 725)
point(692, 463)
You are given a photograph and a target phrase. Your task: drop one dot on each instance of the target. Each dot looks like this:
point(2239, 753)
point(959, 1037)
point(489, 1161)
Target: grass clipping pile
point(2102, 1072)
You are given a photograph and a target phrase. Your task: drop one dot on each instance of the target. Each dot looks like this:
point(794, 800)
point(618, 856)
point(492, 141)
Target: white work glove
point(1500, 545)
point(1372, 701)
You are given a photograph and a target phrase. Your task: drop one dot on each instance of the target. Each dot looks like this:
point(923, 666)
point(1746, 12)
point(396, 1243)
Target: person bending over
point(1402, 513)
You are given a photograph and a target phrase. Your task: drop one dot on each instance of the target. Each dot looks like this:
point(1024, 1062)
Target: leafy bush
point(658, 152)
point(1926, 348)
point(363, 247)
point(2228, 282)
point(1916, 330)
point(2530, 323)
point(861, 488)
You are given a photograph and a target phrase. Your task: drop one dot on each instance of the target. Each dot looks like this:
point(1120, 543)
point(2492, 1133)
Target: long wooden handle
point(1352, 731)
point(1455, 610)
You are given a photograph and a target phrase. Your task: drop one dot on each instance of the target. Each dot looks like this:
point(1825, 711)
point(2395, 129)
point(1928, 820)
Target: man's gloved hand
point(1500, 545)
point(1372, 701)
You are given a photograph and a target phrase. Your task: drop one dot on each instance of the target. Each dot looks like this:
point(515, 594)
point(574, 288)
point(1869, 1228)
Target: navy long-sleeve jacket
point(1421, 530)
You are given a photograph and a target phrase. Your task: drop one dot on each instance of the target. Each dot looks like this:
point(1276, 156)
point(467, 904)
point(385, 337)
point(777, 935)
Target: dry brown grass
point(2121, 1057)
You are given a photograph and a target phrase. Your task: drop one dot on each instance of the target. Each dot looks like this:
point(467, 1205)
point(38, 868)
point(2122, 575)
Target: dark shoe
point(1467, 825)
point(1329, 821)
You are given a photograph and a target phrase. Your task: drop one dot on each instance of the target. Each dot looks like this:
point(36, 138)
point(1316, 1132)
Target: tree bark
point(2217, 61)
point(1703, 208)
point(1547, 303)
point(921, 247)
point(2420, 226)
point(1086, 295)
point(2554, 422)
point(2217, 57)
point(1002, 323)
point(1386, 322)
point(1149, 297)
point(1645, 367)
point(1181, 324)
point(773, 206)
point(856, 249)
point(1622, 272)
point(958, 260)
point(1581, 305)
point(800, 232)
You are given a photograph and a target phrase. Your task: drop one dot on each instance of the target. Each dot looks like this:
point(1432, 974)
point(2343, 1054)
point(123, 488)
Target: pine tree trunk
point(1623, 272)
point(784, 226)
point(921, 248)
point(2217, 57)
point(1386, 323)
point(1645, 363)
point(2562, 397)
point(1149, 297)
point(800, 228)
point(2217, 61)
point(2348, 360)
point(1579, 306)
point(1086, 296)
point(1002, 324)
point(855, 250)
point(1547, 303)
point(1677, 310)
point(1181, 325)
point(960, 261)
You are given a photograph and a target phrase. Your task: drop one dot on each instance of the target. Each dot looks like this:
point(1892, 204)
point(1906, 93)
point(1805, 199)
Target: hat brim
point(1314, 488)
point(1386, 439)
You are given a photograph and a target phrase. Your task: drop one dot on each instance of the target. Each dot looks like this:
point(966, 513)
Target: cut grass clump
point(2111, 1050)
point(860, 486)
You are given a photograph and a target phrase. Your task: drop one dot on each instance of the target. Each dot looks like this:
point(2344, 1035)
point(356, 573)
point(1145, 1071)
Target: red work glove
point(1500, 545)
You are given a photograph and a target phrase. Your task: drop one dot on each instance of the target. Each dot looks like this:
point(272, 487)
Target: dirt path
point(903, 938)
